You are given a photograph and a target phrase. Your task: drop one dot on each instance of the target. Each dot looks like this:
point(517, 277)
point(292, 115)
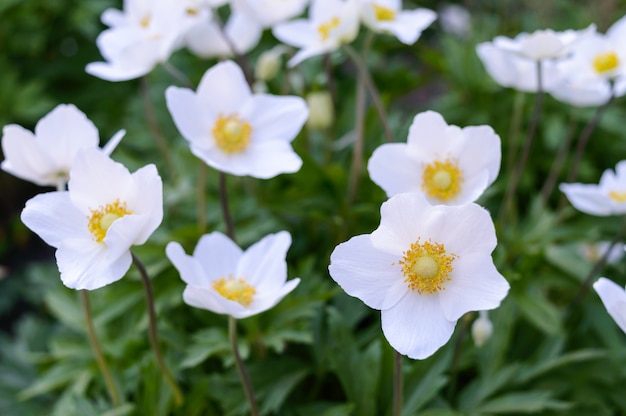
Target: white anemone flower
point(613, 297)
point(270, 12)
point(424, 267)
point(606, 198)
point(445, 163)
point(224, 279)
point(234, 130)
point(105, 211)
point(387, 16)
point(139, 38)
point(46, 157)
point(331, 23)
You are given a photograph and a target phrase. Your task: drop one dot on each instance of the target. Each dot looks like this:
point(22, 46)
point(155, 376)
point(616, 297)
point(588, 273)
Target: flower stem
point(153, 125)
point(357, 149)
point(243, 373)
point(95, 346)
point(507, 205)
point(397, 384)
point(556, 167)
point(241, 59)
point(177, 74)
point(201, 203)
point(230, 229)
point(152, 331)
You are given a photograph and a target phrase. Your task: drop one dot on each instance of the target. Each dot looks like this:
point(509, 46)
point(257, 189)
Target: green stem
point(95, 346)
point(557, 166)
point(243, 373)
point(201, 203)
point(357, 149)
point(152, 331)
point(508, 206)
point(153, 125)
point(230, 228)
point(177, 74)
point(398, 384)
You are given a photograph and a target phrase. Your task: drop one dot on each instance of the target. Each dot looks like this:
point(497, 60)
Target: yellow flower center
point(426, 267)
point(325, 28)
point(102, 218)
point(605, 62)
point(384, 14)
point(618, 196)
point(232, 134)
point(442, 180)
point(191, 11)
point(237, 290)
point(145, 21)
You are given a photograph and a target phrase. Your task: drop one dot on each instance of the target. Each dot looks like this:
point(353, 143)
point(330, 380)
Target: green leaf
point(540, 312)
point(522, 402)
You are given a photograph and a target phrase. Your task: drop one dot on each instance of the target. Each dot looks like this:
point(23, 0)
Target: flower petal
point(218, 255)
point(24, 157)
point(588, 199)
point(468, 229)
point(264, 264)
point(393, 170)
point(275, 117)
point(189, 268)
point(188, 115)
point(614, 299)
point(226, 81)
point(265, 301)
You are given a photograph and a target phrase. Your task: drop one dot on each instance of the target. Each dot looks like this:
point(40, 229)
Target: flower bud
point(482, 329)
point(321, 111)
point(268, 64)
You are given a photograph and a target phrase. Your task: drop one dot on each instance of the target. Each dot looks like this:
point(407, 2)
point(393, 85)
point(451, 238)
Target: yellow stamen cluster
point(605, 62)
point(383, 14)
point(442, 180)
point(324, 29)
point(145, 21)
point(618, 196)
point(237, 290)
point(426, 267)
point(103, 217)
point(232, 134)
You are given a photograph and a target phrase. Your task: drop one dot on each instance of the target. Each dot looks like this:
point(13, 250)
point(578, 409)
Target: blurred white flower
point(606, 198)
point(445, 163)
point(592, 252)
point(46, 157)
point(142, 36)
point(455, 19)
point(424, 267)
point(93, 225)
point(482, 328)
point(331, 23)
point(387, 16)
point(270, 12)
point(235, 131)
point(321, 107)
point(224, 279)
point(613, 297)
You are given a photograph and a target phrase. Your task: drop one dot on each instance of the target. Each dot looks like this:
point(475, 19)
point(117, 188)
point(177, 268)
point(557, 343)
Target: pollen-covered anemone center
point(237, 290)
point(442, 180)
point(102, 218)
point(383, 14)
point(618, 196)
point(232, 134)
point(325, 28)
point(427, 267)
point(605, 62)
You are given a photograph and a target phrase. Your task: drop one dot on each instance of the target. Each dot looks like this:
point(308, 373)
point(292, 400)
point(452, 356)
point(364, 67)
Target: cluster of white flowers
point(581, 68)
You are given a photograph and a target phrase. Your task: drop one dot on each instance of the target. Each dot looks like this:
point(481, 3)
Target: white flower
point(482, 328)
point(206, 40)
point(331, 23)
point(592, 252)
point(387, 16)
point(236, 131)
point(270, 12)
point(144, 35)
point(606, 198)
point(224, 279)
point(614, 299)
point(93, 225)
point(46, 157)
point(455, 19)
point(424, 267)
point(445, 163)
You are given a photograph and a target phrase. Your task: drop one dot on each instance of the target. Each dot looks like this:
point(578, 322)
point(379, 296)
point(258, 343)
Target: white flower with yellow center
point(387, 16)
point(331, 23)
point(606, 198)
point(105, 211)
point(613, 297)
point(445, 163)
point(424, 267)
point(224, 279)
point(46, 157)
point(235, 131)
point(270, 12)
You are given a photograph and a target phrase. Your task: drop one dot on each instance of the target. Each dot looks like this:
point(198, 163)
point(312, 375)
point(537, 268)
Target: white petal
point(226, 81)
point(468, 229)
point(113, 142)
point(409, 24)
point(188, 114)
point(264, 264)
point(310, 51)
point(426, 132)
point(84, 264)
point(24, 158)
point(416, 326)
point(146, 199)
point(275, 117)
point(299, 33)
point(189, 268)
point(482, 146)
point(392, 169)
point(614, 299)
point(218, 255)
point(207, 298)
point(123, 233)
point(588, 199)
point(54, 218)
point(475, 285)
point(369, 274)
point(263, 302)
